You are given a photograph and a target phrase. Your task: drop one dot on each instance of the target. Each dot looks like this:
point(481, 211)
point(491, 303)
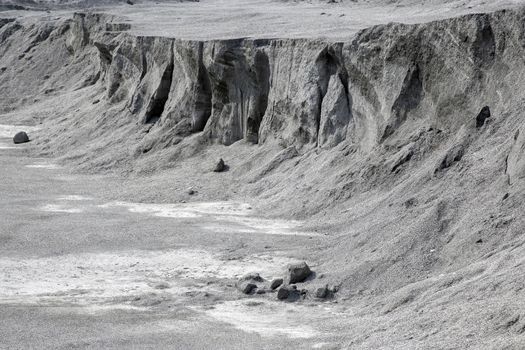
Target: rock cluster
point(286, 287)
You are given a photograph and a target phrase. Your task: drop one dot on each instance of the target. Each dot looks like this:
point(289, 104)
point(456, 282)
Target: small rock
point(276, 283)
point(247, 287)
point(482, 116)
point(252, 277)
point(191, 192)
point(299, 272)
point(505, 196)
point(322, 293)
point(21, 137)
point(410, 203)
point(283, 293)
point(261, 291)
point(220, 167)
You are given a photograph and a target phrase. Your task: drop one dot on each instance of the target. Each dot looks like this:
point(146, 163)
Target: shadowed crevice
point(203, 93)
point(262, 72)
point(158, 102)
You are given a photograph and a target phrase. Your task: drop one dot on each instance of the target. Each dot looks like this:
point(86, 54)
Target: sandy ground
point(228, 19)
point(79, 269)
point(85, 264)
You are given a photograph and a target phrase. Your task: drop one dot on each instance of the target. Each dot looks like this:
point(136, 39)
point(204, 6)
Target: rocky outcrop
point(372, 93)
point(299, 92)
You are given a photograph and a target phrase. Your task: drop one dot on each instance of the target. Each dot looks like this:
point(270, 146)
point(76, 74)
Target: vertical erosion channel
point(158, 102)
point(203, 96)
point(262, 71)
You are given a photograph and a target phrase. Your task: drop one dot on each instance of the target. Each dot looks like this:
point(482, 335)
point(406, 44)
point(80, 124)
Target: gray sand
point(349, 142)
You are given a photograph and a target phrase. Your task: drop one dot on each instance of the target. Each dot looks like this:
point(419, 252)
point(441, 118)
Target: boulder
point(482, 116)
point(21, 137)
point(247, 287)
point(283, 293)
point(276, 283)
point(220, 167)
point(298, 272)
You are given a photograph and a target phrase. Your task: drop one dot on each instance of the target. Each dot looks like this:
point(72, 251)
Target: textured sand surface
point(358, 149)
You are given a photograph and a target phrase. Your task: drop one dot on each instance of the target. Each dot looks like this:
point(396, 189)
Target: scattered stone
point(322, 293)
point(299, 272)
point(220, 167)
point(410, 203)
point(276, 283)
point(191, 192)
point(283, 293)
point(252, 277)
point(482, 116)
point(261, 291)
point(96, 101)
point(162, 285)
point(505, 196)
point(21, 137)
point(247, 287)
point(479, 241)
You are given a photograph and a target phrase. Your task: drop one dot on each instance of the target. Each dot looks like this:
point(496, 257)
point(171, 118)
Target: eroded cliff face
point(392, 96)
point(389, 81)
point(376, 139)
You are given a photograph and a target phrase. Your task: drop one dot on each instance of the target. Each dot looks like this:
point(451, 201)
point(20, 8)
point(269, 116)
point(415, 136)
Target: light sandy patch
point(101, 277)
point(322, 345)
point(268, 318)
point(5, 145)
point(11, 130)
point(58, 208)
point(228, 216)
point(48, 166)
point(74, 198)
point(259, 225)
point(184, 210)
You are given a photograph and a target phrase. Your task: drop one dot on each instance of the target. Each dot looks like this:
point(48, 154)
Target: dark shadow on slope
point(158, 102)
point(202, 108)
point(262, 72)
point(408, 100)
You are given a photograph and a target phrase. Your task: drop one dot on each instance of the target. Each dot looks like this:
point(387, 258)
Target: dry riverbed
point(79, 268)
